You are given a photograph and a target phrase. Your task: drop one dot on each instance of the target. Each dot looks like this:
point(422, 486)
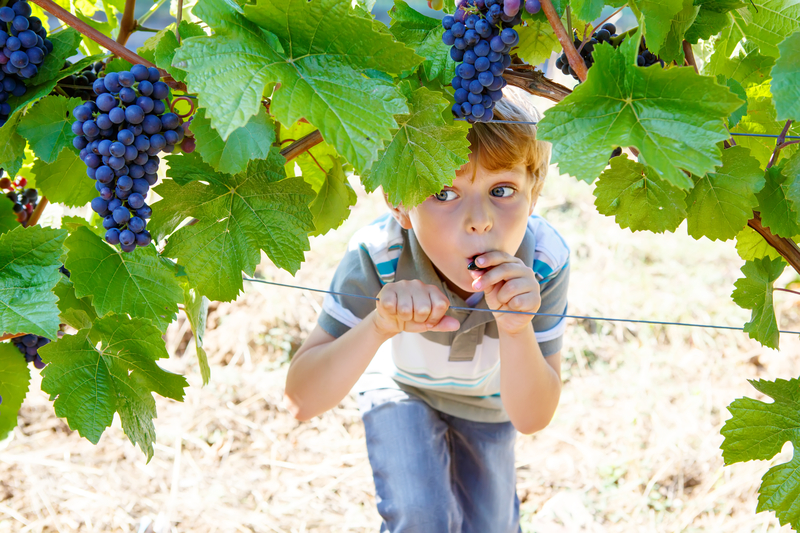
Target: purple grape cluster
point(481, 37)
point(120, 135)
point(29, 345)
point(25, 45)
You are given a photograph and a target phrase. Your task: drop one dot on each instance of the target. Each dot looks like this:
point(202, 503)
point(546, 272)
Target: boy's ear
point(400, 215)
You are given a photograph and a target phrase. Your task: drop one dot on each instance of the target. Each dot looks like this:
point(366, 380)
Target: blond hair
point(499, 146)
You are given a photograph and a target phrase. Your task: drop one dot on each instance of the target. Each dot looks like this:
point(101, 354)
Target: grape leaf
point(77, 312)
point(537, 41)
point(12, 146)
point(620, 104)
point(672, 49)
point(65, 44)
point(15, 378)
point(706, 24)
point(318, 75)
point(167, 46)
point(777, 203)
point(424, 35)
point(110, 368)
point(332, 205)
point(658, 16)
point(586, 9)
point(737, 89)
point(754, 291)
point(721, 202)
point(48, 126)
point(196, 308)
point(65, 180)
point(768, 22)
point(751, 246)
point(260, 209)
point(8, 220)
point(786, 79)
point(747, 68)
point(29, 261)
point(424, 153)
point(251, 141)
point(761, 119)
point(137, 283)
point(637, 198)
point(758, 430)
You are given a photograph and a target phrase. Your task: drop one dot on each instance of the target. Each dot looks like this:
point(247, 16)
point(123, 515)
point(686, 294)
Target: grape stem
point(574, 58)
point(599, 25)
point(309, 153)
point(689, 55)
point(104, 41)
point(11, 336)
point(779, 143)
point(178, 21)
point(34, 218)
point(535, 82)
point(786, 290)
point(786, 247)
point(128, 23)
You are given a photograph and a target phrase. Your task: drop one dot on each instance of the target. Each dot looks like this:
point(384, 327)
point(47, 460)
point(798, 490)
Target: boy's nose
point(478, 222)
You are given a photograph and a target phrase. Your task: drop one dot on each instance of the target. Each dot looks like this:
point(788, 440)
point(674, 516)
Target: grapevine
point(24, 200)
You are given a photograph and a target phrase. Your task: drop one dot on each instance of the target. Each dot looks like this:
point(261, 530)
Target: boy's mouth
point(471, 262)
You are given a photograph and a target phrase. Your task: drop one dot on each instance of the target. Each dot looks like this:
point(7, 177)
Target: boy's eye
point(442, 196)
point(502, 192)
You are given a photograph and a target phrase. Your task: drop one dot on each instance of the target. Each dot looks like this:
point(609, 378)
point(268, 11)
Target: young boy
point(442, 392)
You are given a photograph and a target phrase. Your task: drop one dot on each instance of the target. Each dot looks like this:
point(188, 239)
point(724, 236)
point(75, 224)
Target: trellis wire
point(655, 322)
point(738, 134)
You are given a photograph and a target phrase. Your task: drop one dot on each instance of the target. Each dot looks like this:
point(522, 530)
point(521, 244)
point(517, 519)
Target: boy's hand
point(507, 283)
point(414, 307)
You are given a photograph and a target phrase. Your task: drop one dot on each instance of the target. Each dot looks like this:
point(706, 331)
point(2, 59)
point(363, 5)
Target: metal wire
point(738, 134)
point(607, 319)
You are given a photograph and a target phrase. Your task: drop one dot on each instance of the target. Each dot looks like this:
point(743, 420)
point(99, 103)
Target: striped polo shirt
point(457, 372)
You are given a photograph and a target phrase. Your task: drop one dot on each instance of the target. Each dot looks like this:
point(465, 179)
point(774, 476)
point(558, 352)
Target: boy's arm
point(325, 368)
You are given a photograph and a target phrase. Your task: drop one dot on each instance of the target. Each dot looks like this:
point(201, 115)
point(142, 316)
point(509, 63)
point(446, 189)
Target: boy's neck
point(450, 285)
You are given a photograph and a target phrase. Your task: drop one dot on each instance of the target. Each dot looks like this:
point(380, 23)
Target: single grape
point(127, 237)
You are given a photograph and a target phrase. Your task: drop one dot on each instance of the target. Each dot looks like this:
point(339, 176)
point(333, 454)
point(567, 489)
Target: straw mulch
point(634, 446)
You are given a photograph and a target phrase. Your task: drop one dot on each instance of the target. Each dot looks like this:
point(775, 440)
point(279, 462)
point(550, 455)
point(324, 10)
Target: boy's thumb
point(447, 323)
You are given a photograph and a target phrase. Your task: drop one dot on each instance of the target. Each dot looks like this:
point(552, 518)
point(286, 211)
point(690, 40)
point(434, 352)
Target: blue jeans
point(437, 473)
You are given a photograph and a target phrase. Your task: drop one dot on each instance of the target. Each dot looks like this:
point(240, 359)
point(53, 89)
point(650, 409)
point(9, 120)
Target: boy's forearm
point(323, 375)
point(529, 387)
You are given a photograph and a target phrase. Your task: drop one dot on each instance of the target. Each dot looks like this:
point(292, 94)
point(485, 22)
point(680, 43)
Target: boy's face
point(470, 218)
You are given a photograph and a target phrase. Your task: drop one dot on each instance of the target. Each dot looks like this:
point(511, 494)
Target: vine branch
point(779, 143)
point(786, 247)
point(689, 55)
point(535, 82)
point(574, 58)
point(128, 23)
point(34, 218)
point(302, 145)
point(106, 42)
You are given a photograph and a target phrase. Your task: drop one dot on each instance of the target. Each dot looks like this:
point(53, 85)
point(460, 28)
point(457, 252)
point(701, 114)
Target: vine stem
point(574, 58)
point(786, 247)
point(779, 143)
point(38, 211)
point(11, 336)
point(689, 55)
point(106, 42)
point(786, 290)
point(128, 23)
point(178, 21)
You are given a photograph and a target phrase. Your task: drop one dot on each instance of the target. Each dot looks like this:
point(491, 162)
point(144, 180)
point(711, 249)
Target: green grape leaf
point(721, 202)
point(737, 89)
point(585, 9)
point(777, 203)
point(167, 46)
point(706, 24)
point(15, 378)
point(65, 180)
point(196, 308)
point(758, 430)
point(658, 16)
point(754, 291)
point(29, 261)
point(747, 68)
point(318, 74)
point(77, 312)
point(251, 141)
point(786, 79)
point(8, 220)
point(137, 283)
point(751, 246)
point(424, 35)
point(332, 205)
point(537, 41)
point(240, 215)
point(638, 198)
point(12, 146)
point(672, 49)
point(48, 126)
point(768, 22)
point(424, 154)
point(65, 44)
point(110, 368)
point(620, 104)
point(761, 119)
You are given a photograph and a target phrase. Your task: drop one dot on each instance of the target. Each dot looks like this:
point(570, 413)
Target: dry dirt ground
point(634, 446)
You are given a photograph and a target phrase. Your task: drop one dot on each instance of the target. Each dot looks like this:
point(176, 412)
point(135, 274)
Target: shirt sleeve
point(355, 275)
point(549, 329)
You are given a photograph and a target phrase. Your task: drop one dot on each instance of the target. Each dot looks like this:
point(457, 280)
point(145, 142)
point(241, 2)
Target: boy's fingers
point(447, 323)
point(512, 288)
point(493, 258)
point(405, 307)
point(388, 301)
point(439, 305)
point(499, 273)
point(422, 306)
